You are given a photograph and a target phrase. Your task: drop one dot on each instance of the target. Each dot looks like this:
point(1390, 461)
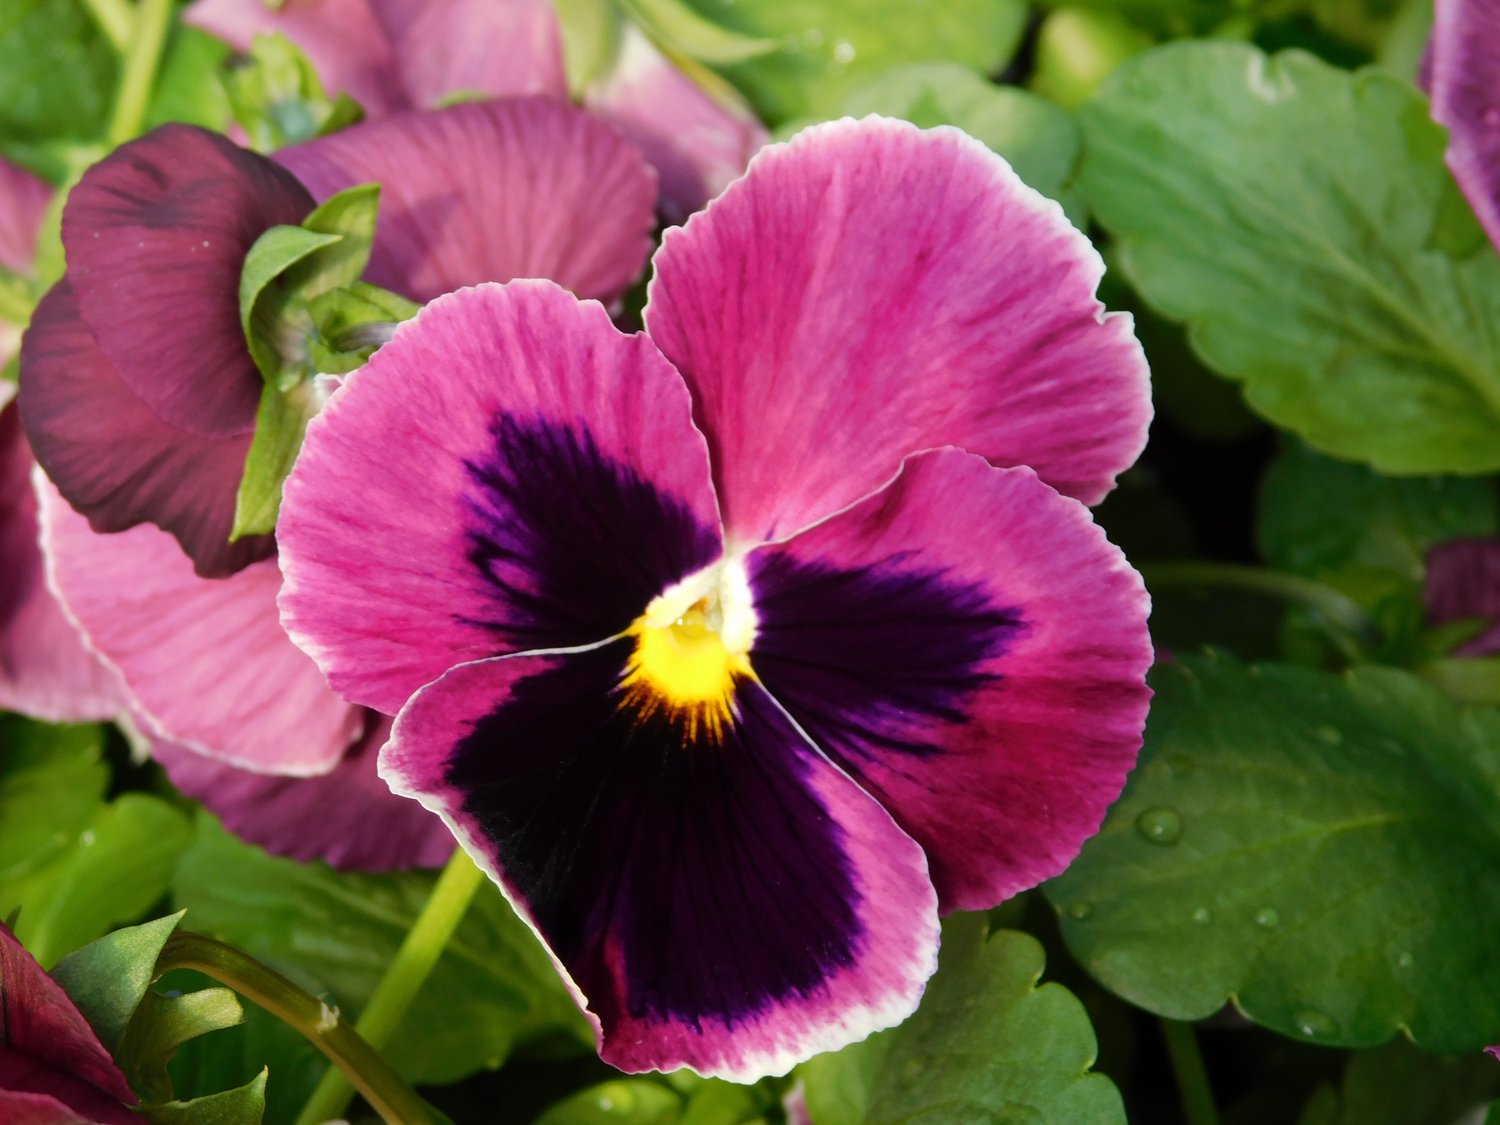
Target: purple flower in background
point(391, 55)
point(53, 1069)
point(1462, 71)
point(1463, 582)
point(730, 651)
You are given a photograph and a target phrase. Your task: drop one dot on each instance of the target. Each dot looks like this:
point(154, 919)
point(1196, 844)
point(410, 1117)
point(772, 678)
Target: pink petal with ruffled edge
point(969, 646)
point(502, 48)
point(871, 289)
point(731, 908)
point(117, 462)
point(696, 144)
point(45, 670)
point(1463, 581)
point(475, 488)
point(205, 661)
point(1464, 75)
point(348, 817)
point(23, 202)
point(492, 191)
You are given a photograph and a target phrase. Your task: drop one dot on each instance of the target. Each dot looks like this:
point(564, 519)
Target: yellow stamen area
point(684, 670)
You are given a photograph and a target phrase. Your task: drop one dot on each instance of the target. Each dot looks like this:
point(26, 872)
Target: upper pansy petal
point(510, 472)
point(205, 662)
point(1463, 71)
point(871, 289)
point(490, 191)
point(45, 670)
point(969, 646)
point(347, 817)
point(23, 201)
point(696, 144)
point(114, 459)
point(731, 904)
point(1463, 581)
point(502, 48)
point(156, 235)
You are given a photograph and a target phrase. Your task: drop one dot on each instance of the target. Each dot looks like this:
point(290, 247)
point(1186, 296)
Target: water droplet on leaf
point(1159, 826)
point(1314, 1024)
point(1202, 916)
point(1267, 918)
point(1080, 910)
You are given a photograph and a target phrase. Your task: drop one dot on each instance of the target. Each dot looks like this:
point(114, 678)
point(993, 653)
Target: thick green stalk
point(149, 37)
point(115, 18)
point(1192, 1076)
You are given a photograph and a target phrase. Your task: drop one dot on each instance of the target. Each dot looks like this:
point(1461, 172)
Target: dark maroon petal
point(1463, 581)
point(348, 818)
point(117, 462)
point(40, 1027)
point(34, 1094)
point(156, 234)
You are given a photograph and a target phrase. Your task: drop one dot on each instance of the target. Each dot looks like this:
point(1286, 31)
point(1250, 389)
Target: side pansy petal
point(968, 645)
point(347, 818)
point(205, 662)
point(870, 289)
point(45, 670)
point(510, 472)
point(490, 191)
point(1464, 79)
point(156, 235)
point(729, 903)
point(116, 461)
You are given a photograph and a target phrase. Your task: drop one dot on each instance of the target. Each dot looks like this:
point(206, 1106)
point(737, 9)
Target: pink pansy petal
point(1463, 581)
point(510, 472)
point(502, 48)
point(732, 906)
point(1464, 77)
point(45, 670)
point(969, 646)
point(347, 817)
point(341, 38)
point(47, 1047)
point(23, 201)
point(696, 145)
point(117, 462)
point(205, 661)
point(871, 289)
point(156, 234)
point(491, 191)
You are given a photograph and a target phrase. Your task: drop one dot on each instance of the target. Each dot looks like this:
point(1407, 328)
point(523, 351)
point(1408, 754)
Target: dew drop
point(1329, 734)
point(606, 1103)
point(1405, 960)
point(1080, 910)
point(1202, 916)
point(1267, 918)
point(1314, 1024)
point(87, 839)
point(1159, 826)
point(843, 52)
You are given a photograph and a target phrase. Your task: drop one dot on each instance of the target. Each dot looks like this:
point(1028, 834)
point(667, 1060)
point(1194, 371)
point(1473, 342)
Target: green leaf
point(590, 38)
point(626, 1101)
point(827, 47)
point(161, 1025)
point(51, 785)
point(986, 1045)
point(108, 978)
point(274, 320)
point(57, 72)
point(678, 28)
point(335, 934)
point(1292, 214)
point(1077, 49)
point(280, 424)
point(115, 870)
point(1318, 849)
point(189, 87)
point(1399, 1085)
point(349, 214)
point(278, 100)
point(243, 1106)
point(211, 1063)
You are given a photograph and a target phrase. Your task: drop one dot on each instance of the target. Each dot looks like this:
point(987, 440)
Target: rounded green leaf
point(1321, 850)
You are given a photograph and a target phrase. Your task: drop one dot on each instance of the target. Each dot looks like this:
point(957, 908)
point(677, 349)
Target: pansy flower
point(735, 652)
point(1461, 69)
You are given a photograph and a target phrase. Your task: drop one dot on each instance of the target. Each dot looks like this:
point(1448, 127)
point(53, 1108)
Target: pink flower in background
point(1462, 71)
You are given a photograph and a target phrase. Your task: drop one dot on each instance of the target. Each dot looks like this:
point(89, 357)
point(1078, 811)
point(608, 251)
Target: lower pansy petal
point(509, 473)
point(204, 661)
point(114, 459)
point(969, 646)
point(722, 899)
point(347, 818)
point(490, 191)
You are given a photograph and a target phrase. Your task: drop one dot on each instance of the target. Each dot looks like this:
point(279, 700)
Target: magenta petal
point(1464, 75)
point(47, 1047)
point(1463, 581)
point(871, 289)
point(491, 191)
point(45, 670)
point(156, 234)
point(114, 459)
point(969, 646)
point(696, 145)
point(732, 907)
point(205, 661)
point(23, 201)
point(502, 48)
point(348, 817)
point(509, 473)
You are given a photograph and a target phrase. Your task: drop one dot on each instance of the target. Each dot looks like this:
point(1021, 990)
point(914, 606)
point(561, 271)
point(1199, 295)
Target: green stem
point(1334, 606)
point(382, 1087)
point(115, 18)
point(424, 944)
point(1192, 1076)
point(150, 35)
